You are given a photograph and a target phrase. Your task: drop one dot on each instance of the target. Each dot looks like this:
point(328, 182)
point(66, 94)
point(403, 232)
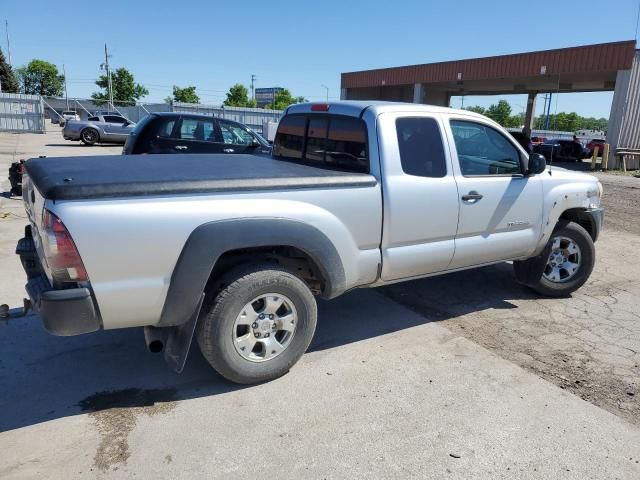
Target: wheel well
point(579, 216)
point(295, 260)
point(90, 128)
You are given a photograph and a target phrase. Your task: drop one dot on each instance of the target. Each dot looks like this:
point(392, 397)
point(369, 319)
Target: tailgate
point(34, 206)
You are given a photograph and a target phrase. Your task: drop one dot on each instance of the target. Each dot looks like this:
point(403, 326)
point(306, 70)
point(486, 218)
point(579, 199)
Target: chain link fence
point(254, 118)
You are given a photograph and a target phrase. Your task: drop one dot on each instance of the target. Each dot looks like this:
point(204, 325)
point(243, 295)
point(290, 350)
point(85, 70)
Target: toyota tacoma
point(233, 250)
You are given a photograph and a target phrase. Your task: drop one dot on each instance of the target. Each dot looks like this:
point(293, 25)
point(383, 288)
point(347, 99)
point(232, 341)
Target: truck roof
point(355, 108)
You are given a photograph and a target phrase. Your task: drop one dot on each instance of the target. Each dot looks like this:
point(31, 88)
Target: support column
point(439, 98)
point(418, 93)
point(624, 127)
point(531, 110)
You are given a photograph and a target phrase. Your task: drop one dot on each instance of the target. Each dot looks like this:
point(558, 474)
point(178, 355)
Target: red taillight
point(320, 107)
point(62, 255)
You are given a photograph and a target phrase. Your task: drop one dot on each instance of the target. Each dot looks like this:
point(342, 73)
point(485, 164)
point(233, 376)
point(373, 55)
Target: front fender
point(210, 241)
point(563, 196)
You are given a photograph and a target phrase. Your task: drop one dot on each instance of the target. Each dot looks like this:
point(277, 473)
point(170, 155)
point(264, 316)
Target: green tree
point(238, 96)
point(500, 112)
point(476, 109)
point(184, 95)
point(515, 121)
point(40, 77)
point(573, 122)
point(283, 99)
point(570, 122)
point(8, 80)
point(125, 90)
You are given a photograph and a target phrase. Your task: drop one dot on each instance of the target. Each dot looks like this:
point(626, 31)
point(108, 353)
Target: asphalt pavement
point(384, 392)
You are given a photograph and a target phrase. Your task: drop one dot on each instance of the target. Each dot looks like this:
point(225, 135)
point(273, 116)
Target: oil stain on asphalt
point(115, 414)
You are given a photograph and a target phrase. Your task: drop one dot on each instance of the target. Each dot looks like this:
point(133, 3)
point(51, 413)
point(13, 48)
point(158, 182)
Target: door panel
point(500, 208)
point(115, 128)
point(503, 224)
point(159, 136)
point(420, 196)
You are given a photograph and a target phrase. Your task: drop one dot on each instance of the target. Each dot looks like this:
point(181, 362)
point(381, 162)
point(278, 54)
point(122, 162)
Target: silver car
point(99, 128)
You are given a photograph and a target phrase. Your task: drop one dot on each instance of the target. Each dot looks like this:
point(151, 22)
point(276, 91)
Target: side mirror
point(537, 164)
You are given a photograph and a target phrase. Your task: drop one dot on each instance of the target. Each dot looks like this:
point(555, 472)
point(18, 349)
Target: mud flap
point(179, 341)
point(529, 271)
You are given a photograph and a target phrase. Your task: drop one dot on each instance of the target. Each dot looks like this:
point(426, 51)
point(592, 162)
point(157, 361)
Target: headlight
point(595, 196)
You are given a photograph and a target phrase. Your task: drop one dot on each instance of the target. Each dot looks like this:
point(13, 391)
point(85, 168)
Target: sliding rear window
point(326, 141)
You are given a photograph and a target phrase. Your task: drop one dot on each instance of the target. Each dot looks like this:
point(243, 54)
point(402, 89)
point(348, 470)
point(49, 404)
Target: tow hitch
point(6, 315)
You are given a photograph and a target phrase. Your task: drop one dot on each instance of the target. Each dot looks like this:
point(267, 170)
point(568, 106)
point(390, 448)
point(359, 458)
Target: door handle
point(471, 197)
point(181, 147)
point(228, 150)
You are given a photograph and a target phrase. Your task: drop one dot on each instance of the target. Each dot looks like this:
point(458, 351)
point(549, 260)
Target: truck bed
point(111, 176)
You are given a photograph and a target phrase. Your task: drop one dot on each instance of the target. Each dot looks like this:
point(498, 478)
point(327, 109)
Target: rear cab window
point(334, 142)
point(421, 148)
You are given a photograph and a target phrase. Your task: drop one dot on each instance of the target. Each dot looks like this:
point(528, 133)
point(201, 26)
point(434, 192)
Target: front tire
point(569, 263)
point(260, 324)
point(89, 136)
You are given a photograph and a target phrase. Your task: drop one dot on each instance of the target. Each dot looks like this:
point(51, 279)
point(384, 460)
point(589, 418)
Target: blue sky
point(300, 45)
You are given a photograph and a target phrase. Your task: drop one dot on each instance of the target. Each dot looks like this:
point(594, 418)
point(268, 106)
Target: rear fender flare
point(208, 242)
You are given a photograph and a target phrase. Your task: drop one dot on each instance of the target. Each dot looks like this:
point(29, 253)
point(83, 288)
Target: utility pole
point(66, 94)
point(548, 113)
point(253, 79)
point(327, 89)
point(105, 66)
point(6, 27)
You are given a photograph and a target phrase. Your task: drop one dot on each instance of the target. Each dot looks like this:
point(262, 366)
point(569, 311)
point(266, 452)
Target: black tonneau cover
point(110, 176)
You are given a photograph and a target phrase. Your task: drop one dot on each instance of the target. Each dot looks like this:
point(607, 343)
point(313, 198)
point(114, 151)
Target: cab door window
point(482, 150)
point(115, 119)
point(235, 134)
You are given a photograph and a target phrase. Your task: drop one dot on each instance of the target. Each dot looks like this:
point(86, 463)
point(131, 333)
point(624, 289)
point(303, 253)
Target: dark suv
point(172, 132)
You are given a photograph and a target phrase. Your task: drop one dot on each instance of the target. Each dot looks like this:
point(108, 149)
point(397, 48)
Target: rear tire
point(89, 136)
point(259, 325)
point(569, 263)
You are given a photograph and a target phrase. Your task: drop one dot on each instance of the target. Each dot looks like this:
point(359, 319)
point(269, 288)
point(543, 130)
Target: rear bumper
point(64, 312)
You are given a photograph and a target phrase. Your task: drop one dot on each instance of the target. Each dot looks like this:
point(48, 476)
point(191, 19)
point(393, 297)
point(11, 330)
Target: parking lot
point(464, 375)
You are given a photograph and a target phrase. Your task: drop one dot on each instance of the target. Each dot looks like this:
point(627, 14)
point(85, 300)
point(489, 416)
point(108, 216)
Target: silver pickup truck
point(232, 249)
